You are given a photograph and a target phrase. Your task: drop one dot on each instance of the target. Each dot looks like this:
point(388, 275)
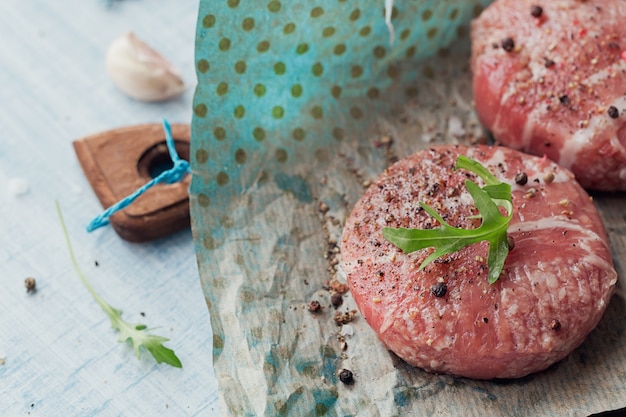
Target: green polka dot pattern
point(280, 85)
point(320, 68)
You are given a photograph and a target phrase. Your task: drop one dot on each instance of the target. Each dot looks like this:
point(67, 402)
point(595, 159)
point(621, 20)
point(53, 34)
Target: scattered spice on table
point(314, 306)
point(336, 299)
point(345, 317)
point(346, 376)
point(31, 284)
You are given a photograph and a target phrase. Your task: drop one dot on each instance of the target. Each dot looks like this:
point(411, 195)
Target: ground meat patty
point(556, 282)
point(549, 79)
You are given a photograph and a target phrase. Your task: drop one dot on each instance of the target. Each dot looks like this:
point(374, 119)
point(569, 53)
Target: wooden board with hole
point(118, 162)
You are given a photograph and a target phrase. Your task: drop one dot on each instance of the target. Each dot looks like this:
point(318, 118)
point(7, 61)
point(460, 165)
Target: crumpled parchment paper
point(298, 106)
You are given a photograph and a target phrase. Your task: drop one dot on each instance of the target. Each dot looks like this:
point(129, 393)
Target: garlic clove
point(141, 72)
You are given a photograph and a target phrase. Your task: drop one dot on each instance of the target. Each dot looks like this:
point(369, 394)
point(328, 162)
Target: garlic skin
point(141, 72)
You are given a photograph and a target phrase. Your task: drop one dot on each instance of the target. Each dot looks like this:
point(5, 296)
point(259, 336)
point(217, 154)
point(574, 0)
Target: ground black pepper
point(346, 376)
point(613, 112)
point(564, 99)
point(521, 178)
point(439, 290)
point(536, 11)
point(508, 44)
point(555, 325)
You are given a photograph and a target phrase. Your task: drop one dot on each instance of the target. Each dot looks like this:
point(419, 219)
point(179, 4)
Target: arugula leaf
point(136, 333)
point(448, 239)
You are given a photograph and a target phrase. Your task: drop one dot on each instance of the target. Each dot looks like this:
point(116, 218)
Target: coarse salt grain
point(18, 187)
point(347, 330)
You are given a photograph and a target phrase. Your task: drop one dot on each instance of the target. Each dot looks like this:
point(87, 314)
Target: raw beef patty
point(550, 79)
point(555, 286)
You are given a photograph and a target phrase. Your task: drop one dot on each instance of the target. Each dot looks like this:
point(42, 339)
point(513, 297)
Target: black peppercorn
point(521, 178)
point(508, 44)
point(555, 325)
point(346, 376)
point(536, 11)
point(564, 99)
point(439, 290)
point(613, 112)
point(336, 299)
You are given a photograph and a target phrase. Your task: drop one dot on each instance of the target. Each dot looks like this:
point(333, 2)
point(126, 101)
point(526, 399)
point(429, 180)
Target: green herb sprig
point(137, 334)
point(447, 239)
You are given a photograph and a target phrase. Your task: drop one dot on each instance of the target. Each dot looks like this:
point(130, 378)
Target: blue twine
point(180, 169)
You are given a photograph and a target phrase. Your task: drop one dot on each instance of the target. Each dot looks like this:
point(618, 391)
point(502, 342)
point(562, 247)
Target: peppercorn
point(439, 289)
point(30, 284)
point(613, 112)
point(508, 44)
point(564, 99)
point(555, 325)
point(521, 178)
point(336, 299)
point(346, 376)
point(536, 11)
point(314, 306)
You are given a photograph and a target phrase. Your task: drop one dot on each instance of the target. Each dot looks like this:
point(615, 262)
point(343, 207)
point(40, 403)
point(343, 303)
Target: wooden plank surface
point(59, 355)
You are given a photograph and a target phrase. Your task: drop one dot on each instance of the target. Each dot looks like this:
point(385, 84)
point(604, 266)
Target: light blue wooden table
point(59, 355)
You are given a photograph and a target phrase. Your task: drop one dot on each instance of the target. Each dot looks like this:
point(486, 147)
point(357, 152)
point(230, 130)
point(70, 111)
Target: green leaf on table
point(136, 333)
point(448, 239)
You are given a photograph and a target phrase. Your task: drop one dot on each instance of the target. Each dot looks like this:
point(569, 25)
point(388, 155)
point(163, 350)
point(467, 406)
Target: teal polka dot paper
point(282, 78)
point(282, 85)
